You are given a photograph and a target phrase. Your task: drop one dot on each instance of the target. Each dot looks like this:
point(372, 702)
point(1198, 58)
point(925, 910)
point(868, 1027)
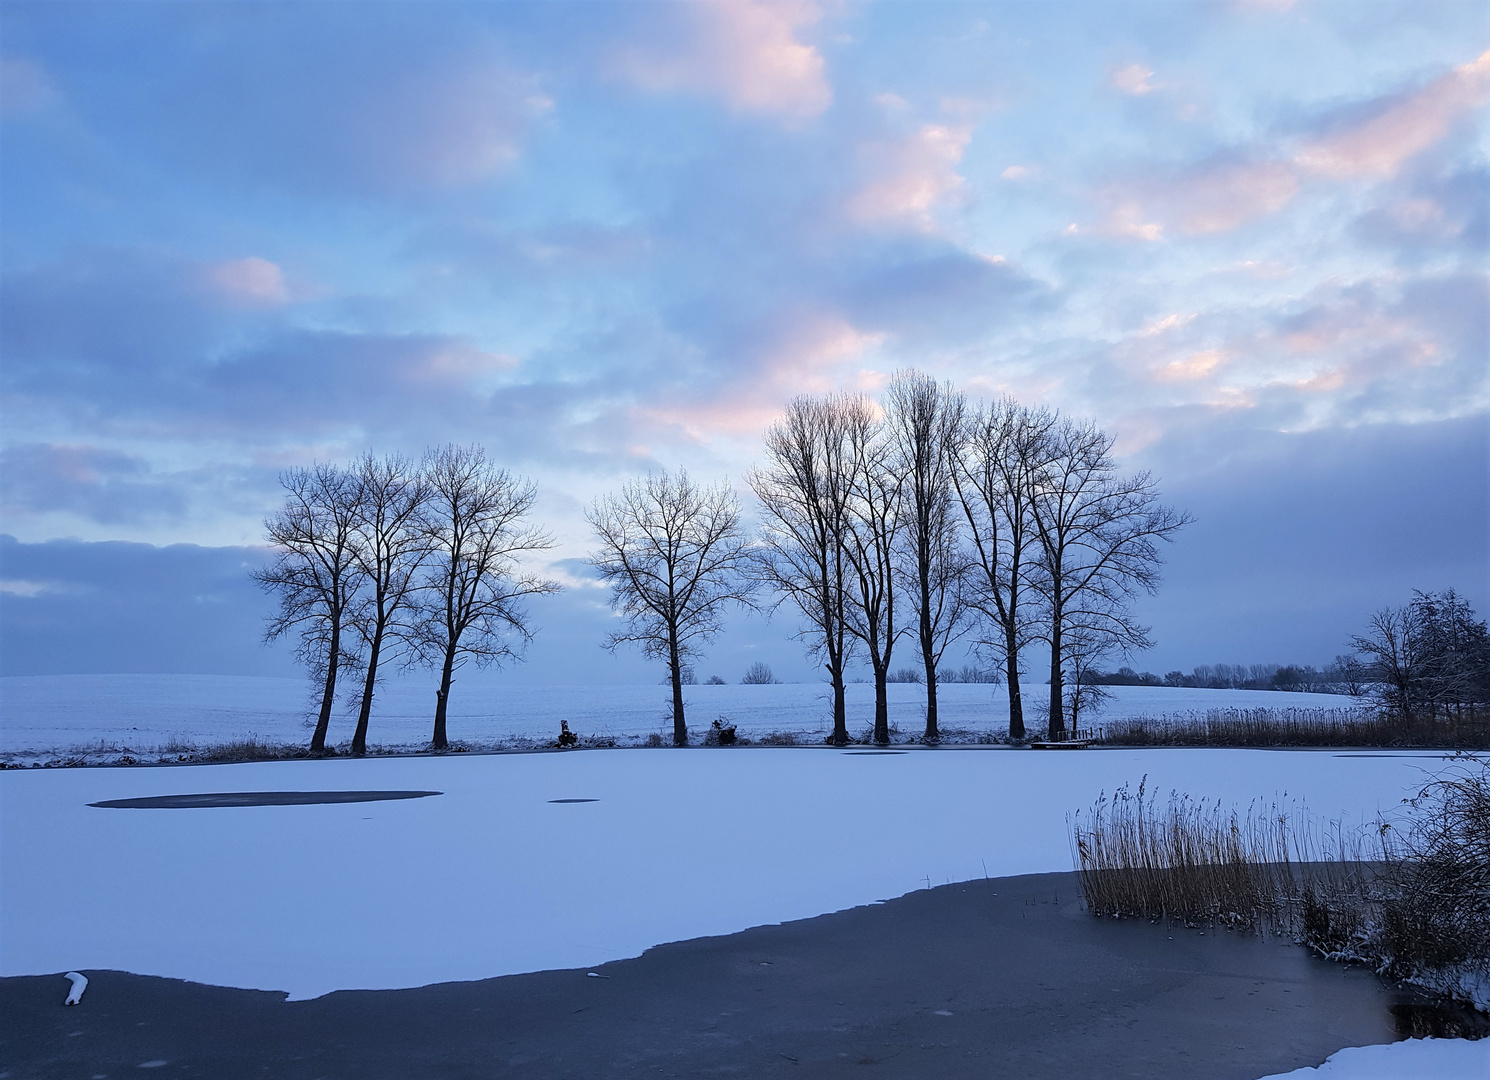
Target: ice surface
point(493, 878)
point(1413, 1059)
point(141, 712)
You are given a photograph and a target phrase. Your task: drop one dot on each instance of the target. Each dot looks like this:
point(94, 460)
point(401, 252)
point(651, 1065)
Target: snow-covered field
point(140, 712)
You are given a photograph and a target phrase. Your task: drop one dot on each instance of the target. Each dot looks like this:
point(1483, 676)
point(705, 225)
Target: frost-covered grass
point(100, 719)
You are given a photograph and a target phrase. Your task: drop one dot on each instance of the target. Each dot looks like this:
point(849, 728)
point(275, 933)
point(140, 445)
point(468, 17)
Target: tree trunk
point(840, 714)
point(933, 732)
point(680, 727)
point(328, 695)
point(1011, 677)
point(359, 737)
point(881, 706)
point(1057, 726)
point(442, 699)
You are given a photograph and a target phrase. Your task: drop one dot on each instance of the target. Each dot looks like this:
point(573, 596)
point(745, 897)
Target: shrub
point(759, 674)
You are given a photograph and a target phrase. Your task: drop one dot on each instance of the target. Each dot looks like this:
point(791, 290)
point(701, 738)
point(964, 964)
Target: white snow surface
point(1412, 1059)
point(45, 713)
point(492, 878)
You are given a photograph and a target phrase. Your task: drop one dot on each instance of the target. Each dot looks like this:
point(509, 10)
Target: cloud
point(1397, 127)
point(1132, 80)
point(909, 177)
point(25, 87)
point(1368, 142)
point(746, 52)
point(250, 281)
point(100, 485)
point(304, 99)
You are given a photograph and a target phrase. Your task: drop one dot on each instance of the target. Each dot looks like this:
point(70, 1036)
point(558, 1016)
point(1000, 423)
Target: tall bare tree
point(996, 450)
point(674, 555)
point(1098, 534)
point(474, 586)
point(391, 542)
point(803, 553)
point(876, 484)
point(923, 418)
point(316, 575)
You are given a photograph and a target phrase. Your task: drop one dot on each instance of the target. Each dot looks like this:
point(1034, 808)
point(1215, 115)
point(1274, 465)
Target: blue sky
point(1249, 238)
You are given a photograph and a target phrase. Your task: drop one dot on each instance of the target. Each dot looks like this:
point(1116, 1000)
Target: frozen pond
point(507, 872)
point(43, 713)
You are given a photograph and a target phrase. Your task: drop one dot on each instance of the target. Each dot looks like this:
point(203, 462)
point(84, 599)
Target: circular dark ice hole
point(257, 798)
point(573, 800)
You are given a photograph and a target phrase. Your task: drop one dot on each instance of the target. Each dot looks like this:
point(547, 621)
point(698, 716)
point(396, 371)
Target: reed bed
point(1352, 726)
point(1198, 863)
point(1409, 896)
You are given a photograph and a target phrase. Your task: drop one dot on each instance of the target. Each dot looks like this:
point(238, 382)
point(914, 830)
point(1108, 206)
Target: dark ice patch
point(257, 798)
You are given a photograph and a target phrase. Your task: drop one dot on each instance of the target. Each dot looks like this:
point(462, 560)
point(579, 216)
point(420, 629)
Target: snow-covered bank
point(1412, 1059)
point(55, 713)
point(492, 877)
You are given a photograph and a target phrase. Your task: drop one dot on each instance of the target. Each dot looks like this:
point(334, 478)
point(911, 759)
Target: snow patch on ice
point(1413, 1059)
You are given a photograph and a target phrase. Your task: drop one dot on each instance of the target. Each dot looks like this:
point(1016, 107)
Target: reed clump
point(1410, 896)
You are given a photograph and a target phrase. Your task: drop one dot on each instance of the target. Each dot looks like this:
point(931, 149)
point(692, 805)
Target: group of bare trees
point(1429, 657)
point(388, 561)
point(926, 518)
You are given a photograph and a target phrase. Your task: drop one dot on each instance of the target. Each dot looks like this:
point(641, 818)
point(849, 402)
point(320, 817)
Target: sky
point(1248, 239)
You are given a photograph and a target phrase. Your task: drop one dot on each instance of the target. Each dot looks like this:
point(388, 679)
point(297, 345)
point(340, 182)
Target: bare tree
point(997, 448)
point(923, 418)
point(876, 483)
point(1098, 535)
point(805, 493)
point(316, 575)
point(674, 556)
point(391, 542)
point(471, 600)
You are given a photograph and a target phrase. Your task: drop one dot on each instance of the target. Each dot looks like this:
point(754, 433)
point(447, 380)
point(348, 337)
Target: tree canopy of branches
point(316, 575)
point(923, 418)
point(390, 545)
point(674, 555)
point(472, 596)
point(1432, 655)
point(994, 456)
point(805, 494)
point(1098, 535)
point(876, 484)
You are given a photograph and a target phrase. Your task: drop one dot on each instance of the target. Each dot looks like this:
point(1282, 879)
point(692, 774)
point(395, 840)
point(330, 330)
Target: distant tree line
point(926, 518)
point(1429, 658)
point(1344, 676)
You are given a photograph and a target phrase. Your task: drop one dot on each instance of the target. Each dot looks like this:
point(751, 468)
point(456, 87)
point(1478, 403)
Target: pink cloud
point(1132, 80)
point(744, 51)
point(252, 282)
point(811, 353)
point(1378, 146)
point(1228, 196)
point(910, 176)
